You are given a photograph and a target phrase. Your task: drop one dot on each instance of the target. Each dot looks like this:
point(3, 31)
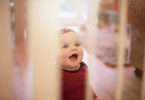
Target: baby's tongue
point(73, 57)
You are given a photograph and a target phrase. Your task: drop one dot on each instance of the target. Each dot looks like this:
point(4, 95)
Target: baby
point(74, 71)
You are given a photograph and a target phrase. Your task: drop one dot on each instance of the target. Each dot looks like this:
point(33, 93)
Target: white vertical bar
point(92, 20)
point(79, 4)
point(6, 86)
point(79, 11)
point(42, 33)
point(121, 52)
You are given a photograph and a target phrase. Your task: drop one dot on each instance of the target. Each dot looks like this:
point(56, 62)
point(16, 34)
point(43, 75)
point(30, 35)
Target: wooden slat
point(121, 52)
point(43, 46)
point(6, 86)
point(20, 20)
point(91, 25)
point(22, 70)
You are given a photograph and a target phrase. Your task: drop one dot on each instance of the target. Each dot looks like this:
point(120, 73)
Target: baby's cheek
point(61, 57)
point(64, 57)
point(82, 51)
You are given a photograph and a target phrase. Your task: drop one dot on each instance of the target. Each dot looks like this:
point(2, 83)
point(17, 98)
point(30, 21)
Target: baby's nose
point(73, 48)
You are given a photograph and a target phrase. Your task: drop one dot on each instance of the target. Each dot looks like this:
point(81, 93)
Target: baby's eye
point(77, 44)
point(65, 46)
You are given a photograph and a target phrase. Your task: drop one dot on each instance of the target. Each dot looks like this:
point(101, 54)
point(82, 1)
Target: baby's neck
point(72, 68)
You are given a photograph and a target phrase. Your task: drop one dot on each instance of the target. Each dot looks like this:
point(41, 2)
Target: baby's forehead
point(70, 37)
point(70, 34)
point(66, 30)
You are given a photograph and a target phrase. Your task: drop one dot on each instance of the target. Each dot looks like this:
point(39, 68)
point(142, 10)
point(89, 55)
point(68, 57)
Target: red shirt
point(73, 83)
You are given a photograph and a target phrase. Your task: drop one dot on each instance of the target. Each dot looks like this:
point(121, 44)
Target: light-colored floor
point(104, 80)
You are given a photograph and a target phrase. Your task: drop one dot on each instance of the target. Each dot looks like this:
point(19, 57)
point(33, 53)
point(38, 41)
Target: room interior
point(104, 69)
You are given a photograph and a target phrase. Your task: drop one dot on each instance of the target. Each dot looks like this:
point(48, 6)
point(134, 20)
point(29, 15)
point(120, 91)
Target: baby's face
point(71, 52)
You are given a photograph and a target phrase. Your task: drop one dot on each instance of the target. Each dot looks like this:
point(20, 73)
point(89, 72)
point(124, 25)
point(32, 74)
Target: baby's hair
point(66, 30)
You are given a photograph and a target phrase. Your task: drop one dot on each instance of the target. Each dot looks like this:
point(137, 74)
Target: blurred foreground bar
point(43, 45)
point(6, 86)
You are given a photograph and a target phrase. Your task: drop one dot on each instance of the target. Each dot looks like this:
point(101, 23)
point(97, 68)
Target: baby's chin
point(71, 66)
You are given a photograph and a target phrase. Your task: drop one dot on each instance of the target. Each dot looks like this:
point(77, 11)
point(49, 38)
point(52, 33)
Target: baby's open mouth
point(73, 57)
